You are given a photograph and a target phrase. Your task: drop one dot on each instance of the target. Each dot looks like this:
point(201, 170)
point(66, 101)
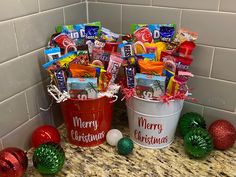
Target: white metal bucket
point(153, 124)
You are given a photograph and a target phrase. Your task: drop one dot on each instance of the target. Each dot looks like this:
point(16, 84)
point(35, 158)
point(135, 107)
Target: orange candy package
point(78, 70)
point(151, 67)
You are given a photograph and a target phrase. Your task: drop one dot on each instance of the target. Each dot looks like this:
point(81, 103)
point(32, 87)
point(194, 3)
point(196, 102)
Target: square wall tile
point(33, 32)
point(191, 107)
point(7, 34)
point(228, 5)
point(21, 137)
point(37, 98)
point(214, 28)
point(224, 65)
point(108, 14)
point(214, 93)
point(13, 113)
point(139, 14)
point(212, 115)
point(191, 4)
point(15, 8)
point(50, 4)
point(21, 73)
point(75, 14)
point(202, 57)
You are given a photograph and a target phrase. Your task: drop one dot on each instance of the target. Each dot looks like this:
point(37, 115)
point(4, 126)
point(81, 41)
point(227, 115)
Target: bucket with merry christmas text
point(87, 121)
point(152, 123)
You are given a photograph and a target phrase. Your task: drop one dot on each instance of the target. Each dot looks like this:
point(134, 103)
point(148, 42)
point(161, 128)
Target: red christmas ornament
point(13, 162)
point(45, 134)
point(223, 133)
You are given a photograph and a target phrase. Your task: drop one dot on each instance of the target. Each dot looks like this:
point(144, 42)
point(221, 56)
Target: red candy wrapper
point(111, 46)
point(186, 48)
point(143, 34)
point(114, 66)
point(64, 42)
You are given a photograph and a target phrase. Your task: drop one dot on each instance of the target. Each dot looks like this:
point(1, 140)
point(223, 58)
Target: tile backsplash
point(27, 27)
point(24, 32)
point(214, 63)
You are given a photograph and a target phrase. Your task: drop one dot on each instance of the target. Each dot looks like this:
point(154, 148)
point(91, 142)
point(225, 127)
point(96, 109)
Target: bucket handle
point(115, 98)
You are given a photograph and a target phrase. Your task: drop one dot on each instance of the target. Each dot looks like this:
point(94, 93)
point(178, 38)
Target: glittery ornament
point(13, 162)
point(44, 134)
point(190, 121)
point(125, 146)
point(49, 158)
point(113, 136)
point(198, 143)
point(223, 133)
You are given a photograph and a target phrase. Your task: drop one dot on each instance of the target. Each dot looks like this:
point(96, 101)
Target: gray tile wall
point(215, 56)
point(24, 32)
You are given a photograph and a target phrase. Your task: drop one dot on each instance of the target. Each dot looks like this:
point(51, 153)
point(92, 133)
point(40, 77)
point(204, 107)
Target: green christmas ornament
point(49, 158)
point(125, 146)
point(190, 121)
point(198, 143)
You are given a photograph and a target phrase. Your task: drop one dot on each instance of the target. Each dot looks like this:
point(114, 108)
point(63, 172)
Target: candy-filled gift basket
point(150, 66)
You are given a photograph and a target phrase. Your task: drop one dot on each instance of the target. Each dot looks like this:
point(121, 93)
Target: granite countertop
point(104, 161)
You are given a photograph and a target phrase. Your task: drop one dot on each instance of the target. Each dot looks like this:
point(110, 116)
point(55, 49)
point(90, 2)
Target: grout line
point(203, 109)
point(218, 47)
point(27, 105)
point(215, 79)
point(20, 92)
point(219, 5)
point(17, 46)
point(39, 6)
point(87, 11)
point(64, 16)
point(38, 13)
point(212, 60)
point(23, 55)
point(21, 125)
point(219, 109)
point(121, 20)
point(180, 18)
point(151, 2)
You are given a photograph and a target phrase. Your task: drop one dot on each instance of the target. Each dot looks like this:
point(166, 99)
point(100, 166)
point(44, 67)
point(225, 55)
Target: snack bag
point(82, 88)
point(100, 58)
point(139, 48)
point(126, 50)
point(177, 85)
point(78, 71)
point(159, 31)
point(151, 67)
point(127, 38)
point(129, 75)
point(91, 32)
point(60, 79)
point(143, 34)
point(186, 48)
point(65, 43)
point(167, 33)
point(161, 47)
point(149, 86)
point(114, 67)
point(134, 27)
point(108, 36)
point(104, 80)
point(53, 53)
point(185, 35)
point(146, 57)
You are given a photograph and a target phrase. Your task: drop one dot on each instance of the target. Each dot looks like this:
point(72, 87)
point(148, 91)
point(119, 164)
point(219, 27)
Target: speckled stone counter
point(104, 161)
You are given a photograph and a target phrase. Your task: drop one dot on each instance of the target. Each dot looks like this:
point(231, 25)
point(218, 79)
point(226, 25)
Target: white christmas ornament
point(113, 136)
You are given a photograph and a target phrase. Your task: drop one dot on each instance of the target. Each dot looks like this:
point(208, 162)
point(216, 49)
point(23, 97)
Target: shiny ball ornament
point(125, 146)
point(198, 143)
point(113, 136)
point(49, 158)
point(13, 162)
point(223, 133)
point(44, 134)
point(190, 121)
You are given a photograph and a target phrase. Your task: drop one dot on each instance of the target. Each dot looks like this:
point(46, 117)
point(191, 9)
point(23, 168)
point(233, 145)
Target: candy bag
point(104, 80)
point(161, 46)
point(98, 24)
point(186, 48)
point(82, 88)
point(53, 53)
point(108, 35)
point(65, 43)
point(126, 50)
point(111, 46)
point(155, 30)
point(151, 67)
point(167, 33)
point(177, 85)
point(78, 70)
point(127, 38)
point(185, 35)
point(129, 74)
point(146, 57)
point(91, 32)
point(149, 86)
point(60, 78)
point(100, 57)
point(143, 34)
point(114, 66)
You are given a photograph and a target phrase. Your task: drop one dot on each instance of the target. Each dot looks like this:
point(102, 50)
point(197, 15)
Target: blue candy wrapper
point(91, 32)
point(82, 88)
point(155, 30)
